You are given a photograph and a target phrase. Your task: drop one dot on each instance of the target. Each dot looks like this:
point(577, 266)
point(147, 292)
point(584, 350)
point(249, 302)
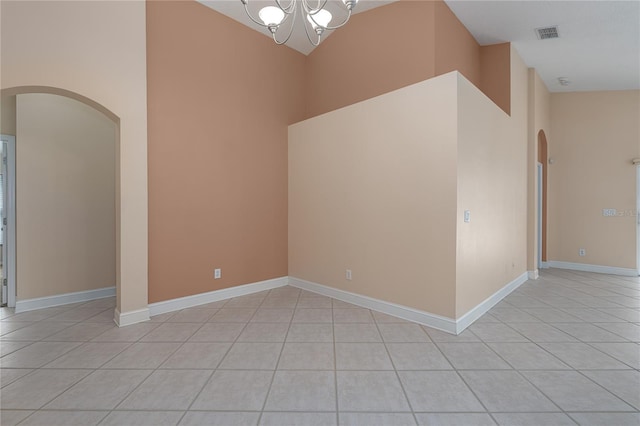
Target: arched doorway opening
point(543, 164)
point(101, 114)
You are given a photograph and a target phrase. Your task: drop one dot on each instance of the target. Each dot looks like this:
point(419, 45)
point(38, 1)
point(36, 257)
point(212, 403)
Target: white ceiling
point(598, 48)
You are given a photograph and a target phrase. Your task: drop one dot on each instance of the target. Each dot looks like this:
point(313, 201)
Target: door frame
point(539, 195)
point(637, 214)
point(9, 238)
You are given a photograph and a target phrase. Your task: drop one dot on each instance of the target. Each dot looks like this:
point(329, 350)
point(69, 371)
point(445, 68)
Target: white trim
point(540, 213)
point(544, 265)
point(637, 217)
point(533, 275)
point(63, 299)
point(214, 296)
point(610, 270)
point(404, 312)
point(132, 317)
point(10, 237)
point(467, 319)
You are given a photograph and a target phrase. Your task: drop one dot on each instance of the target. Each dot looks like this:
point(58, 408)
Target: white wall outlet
point(467, 216)
point(582, 252)
point(348, 275)
point(217, 273)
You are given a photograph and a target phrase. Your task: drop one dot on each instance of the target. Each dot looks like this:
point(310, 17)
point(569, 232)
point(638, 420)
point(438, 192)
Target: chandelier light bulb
point(321, 18)
point(271, 16)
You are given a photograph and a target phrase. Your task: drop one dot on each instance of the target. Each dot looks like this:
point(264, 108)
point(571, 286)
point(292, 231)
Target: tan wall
point(492, 181)
point(595, 137)
point(8, 115)
point(539, 111)
point(65, 193)
point(421, 39)
point(372, 189)
point(218, 117)
point(98, 50)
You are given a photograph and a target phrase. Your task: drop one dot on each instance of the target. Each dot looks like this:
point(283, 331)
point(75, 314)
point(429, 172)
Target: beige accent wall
point(218, 117)
point(372, 188)
point(595, 135)
point(492, 182)
point(539, 117)
point(65, 193)
point(8, 115)
point(97, 50)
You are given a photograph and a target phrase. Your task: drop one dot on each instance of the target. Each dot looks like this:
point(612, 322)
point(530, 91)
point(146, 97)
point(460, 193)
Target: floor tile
point(37, 354)
point(76, 315)
point(273, 315)
point(533, 419)
point(89, 355)
point(588, 332)
point(475, 356)
point(417, 356)
point(625, 329)
point(381, 318)
point(10, 375)
point(167, 390)
point(8, 347)
point(442, 391)
point(623, 384)
point(101, 390)
point(497, 333)
point(310, 333)
point(233, 315)
point(455, 419)
point(302, 419)
point(369, 419)
point(627, 314)
point(36, 389)
point(252, 356)
point(302, 391)
point(264, 332)
point(37, 331)
point(279, 302)
point(143, 355)
point(571, 391)
point(441, 336)
point(354, 315)
point(130, 333)
point(81, 332)
point(171, 332)
point(551, 315)
point(192, 315)
point(220, 418)
point(313, 315)
point(582, 356)
point(506, 391)
point(142, 418)
point(541, 332)
point(628, 353)
point(511, 315)
point(370, 391)
point(249, 301)
point(307, 356)
point(591, 315)
point(235, 391)
point(64, 418)
point(203, 356)
point(314, 302)
point(356, 333)
point(402, 333)
point(528, 356)
point(13, 417)
point(362, 356)
point(218, 332)
point(599, 419)
point(9, 327)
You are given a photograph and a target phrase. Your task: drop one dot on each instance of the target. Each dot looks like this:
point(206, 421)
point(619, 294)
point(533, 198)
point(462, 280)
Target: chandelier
point(311, 11)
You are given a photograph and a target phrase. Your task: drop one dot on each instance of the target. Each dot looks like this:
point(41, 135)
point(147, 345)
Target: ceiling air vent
point(547, 32)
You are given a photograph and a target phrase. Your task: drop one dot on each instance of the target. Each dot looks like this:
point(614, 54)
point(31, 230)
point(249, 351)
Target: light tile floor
point(560, 350)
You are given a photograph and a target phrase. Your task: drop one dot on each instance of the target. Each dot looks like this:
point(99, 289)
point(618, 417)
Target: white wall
point(65, 197)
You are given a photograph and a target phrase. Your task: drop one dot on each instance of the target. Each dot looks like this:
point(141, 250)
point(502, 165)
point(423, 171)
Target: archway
point(100, 114)
point(543, 159)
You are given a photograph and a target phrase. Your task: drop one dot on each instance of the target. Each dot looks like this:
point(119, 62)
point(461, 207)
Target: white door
point(8, 219)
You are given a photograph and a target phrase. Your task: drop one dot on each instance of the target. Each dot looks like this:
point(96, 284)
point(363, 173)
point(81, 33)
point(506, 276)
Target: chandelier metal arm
point(273, 33)
point(289, 9)
point(306, 31)
point(334, 27)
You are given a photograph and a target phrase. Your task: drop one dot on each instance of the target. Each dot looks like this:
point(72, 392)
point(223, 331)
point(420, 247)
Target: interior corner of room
point(427, 185)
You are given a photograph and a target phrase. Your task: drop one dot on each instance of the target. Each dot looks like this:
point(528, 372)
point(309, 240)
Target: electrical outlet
point(467, 216)
point(582, 252)
point(348, 275)
point(217, 273)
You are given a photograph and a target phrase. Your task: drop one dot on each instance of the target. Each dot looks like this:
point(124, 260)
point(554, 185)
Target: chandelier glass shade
point(316, 19)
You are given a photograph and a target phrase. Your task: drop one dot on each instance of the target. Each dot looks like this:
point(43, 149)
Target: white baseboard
point(544, 265)
point(533, 275)
point(404, 312)
point(610, 270)
point(132, 317)
point(214, 296)
point(467, 319)
point(63, 299)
